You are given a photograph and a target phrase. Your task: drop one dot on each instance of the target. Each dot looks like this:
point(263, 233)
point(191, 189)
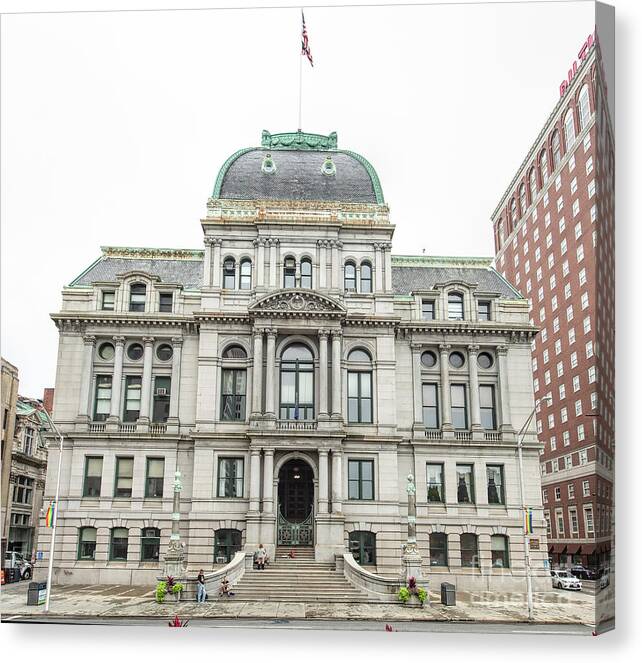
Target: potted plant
point(177, 588)
point(161, 591)
point(412, 593)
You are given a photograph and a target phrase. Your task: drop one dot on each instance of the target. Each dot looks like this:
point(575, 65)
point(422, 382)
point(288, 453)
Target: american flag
point(305, 46)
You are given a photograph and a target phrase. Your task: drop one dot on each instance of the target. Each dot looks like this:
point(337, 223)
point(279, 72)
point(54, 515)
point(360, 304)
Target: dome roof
point(298, 166)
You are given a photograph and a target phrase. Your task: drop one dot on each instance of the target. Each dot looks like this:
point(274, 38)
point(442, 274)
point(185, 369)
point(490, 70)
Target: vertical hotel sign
point(574, 67)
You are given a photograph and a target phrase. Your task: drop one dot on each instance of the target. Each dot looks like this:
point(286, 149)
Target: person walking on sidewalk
point(261, 556)
point(201, 593)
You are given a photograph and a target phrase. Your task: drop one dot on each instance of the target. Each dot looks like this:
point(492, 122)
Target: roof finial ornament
point(268, 166)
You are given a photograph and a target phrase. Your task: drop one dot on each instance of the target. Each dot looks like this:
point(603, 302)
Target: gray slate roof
point(298, 176)
point(188, 273)
point(411, 279)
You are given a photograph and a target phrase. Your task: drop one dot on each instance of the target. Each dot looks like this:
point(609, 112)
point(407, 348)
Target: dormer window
point(350, 277)
point(483, 310)
point(427, 309)
point(455, 306)
point(166, 302)
point(108, 300)
point(289, 272)
point(137, 296)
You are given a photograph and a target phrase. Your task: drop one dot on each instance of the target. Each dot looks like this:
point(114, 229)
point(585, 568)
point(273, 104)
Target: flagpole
point(300, 83)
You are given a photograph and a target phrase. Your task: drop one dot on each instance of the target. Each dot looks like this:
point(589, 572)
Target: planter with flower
point(412, 595)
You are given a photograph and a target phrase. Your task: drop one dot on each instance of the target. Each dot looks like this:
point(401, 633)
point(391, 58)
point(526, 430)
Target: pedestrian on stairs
point(201, 593)
point(261, 556)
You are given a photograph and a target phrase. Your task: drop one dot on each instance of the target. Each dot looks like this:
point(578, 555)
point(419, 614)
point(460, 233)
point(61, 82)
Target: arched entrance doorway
point(296, 500)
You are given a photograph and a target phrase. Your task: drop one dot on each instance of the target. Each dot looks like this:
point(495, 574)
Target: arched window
point(366, 277)
point(469, 550)
point(87, 543)
point(543, 167)
point(350, 276)
point(522, 200)
point(246, 274)
point(359, 387)
point(289, 272)
point(363, 547)
point(150, 544)
point(456, 305)
point(499, 551)
point(306, 273)
point(233, 384)
point(513, 213)
point(502, 234)
point(118, 544)
point(557, 149)
point(585, 107)
point(438, 549)
point(297, 383)
point(137, 296)
point(532, 183)
point(569, 129)
point(227, 542)
point(229, 273)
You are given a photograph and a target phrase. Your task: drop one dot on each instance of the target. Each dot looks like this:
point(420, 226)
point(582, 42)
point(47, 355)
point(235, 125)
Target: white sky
point(114, 125)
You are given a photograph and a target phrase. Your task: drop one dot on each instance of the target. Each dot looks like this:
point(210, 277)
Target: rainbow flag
point(528, 520)
point(49, 517)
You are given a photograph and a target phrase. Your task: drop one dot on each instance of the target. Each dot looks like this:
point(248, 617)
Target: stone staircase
point(300, 579)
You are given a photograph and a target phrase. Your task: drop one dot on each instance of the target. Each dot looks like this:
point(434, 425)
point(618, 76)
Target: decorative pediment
point(297, 302)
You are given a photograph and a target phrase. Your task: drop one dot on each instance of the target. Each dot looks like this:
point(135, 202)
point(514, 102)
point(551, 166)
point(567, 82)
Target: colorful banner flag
point(49, 517)
point(305, 46)
point(528, 520)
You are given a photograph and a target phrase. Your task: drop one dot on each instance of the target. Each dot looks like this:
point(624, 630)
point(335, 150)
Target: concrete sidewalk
point(124, 601)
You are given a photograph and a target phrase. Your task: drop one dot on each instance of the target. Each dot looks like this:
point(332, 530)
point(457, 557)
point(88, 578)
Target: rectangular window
point(571, 491)
point(586, 488)
point(562, 390)
point(558, 493)
point(430, 406)
point(572, 517)
point(574, 185)
point(495, 479)
point(560, 522)
point(23, 490)
point(360, 397)
point(119, 541)
point(487, 406)
point(93, 476)
point(483, 310)
point(435, 480)
point(233, 394)
point(571, 335)
point(588, 520)
point(108, 300)
point(28, 441)
point(102, 402)
point(587, 324)
point(427, 309)
point(166, 302)
point(499, 551)
point(155, 477)
point(458, 406)
point(162, 388)
point(465, 484)
point(124, 477)
point(591, 188)
point(360, 479)
point(230, 477)
point(133, 385)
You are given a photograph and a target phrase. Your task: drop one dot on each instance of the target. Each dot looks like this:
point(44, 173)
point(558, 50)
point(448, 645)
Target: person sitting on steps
point(261, 557)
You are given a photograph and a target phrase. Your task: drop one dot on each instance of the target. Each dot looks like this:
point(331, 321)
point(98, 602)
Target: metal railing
point(290, 424)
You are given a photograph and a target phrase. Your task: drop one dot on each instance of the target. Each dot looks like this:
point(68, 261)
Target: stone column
point(446, 415)
point(268, 480)
point(216, 263)
point(323, 481)
point(323, 374)
point(174, 394)
point(86, 377)
point(323, 263)
point(270, 366)
point(376, 285)
point(339, 265)
point(257, 373)
point(336, 374)
point(417, 387)
point(387, 267)
point(146, 386)
point(260, 263)
point(207, 262)
point(114, 411)
point(335, 261)
point(337, 481)
point(273, 246)
point(255, 479)
point(475, 418)
point(502, 351)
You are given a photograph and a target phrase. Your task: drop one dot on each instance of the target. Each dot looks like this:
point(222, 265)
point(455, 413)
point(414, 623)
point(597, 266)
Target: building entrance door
point(296, 501)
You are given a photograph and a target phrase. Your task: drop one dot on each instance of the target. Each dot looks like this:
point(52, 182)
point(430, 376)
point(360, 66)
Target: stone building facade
point(9, 395)
point(554, 236)
point(295, 373)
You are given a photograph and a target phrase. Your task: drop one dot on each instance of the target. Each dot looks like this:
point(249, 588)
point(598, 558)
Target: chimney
point(48, 399)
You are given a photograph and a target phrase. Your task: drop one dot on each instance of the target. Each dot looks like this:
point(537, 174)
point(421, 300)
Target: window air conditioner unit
point(161, 392)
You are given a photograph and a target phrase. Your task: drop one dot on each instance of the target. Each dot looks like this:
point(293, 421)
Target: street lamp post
point(527, 557)
point(55, 513)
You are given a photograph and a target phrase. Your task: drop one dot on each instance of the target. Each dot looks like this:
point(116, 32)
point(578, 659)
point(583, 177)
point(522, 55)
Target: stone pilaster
point(86, 378)
point(323, 481)
point(446, 414)
point(502, 352)
point(146, 386)
point(270, 371)
point(323, 374)
point(117, 379)
point(336, 375)
point(257, 374)
point(475, 416)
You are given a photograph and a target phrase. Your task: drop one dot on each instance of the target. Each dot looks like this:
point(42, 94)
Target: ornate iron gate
point(295, 534)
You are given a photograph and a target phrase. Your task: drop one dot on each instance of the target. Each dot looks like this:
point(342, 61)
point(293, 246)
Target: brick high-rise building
point(554, 239)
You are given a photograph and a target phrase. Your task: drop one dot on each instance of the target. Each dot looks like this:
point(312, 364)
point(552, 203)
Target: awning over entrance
point(588, 548)
point(573, 548)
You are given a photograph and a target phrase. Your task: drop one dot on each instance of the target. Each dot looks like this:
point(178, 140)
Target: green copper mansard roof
point(298, 166)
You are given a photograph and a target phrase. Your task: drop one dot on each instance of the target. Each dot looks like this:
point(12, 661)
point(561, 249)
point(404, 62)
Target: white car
point(605, 579)
point(565, 580)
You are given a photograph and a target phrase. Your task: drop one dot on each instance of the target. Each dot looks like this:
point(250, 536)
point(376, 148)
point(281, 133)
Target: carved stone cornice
point(296, 303)
point(89, 340)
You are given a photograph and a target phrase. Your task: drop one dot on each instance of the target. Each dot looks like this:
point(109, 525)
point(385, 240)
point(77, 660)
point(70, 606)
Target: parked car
point(605, 579)
point(563, 579)
point(582, 572)
point(15, 560)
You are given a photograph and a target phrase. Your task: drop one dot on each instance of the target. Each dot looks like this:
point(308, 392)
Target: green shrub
point(177, 587)
point(403, 594)
point(161, 591)
point(422, 595)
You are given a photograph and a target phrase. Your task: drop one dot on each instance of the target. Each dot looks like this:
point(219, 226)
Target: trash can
point(37, 593)
point(448, 594)
point(12, 575)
